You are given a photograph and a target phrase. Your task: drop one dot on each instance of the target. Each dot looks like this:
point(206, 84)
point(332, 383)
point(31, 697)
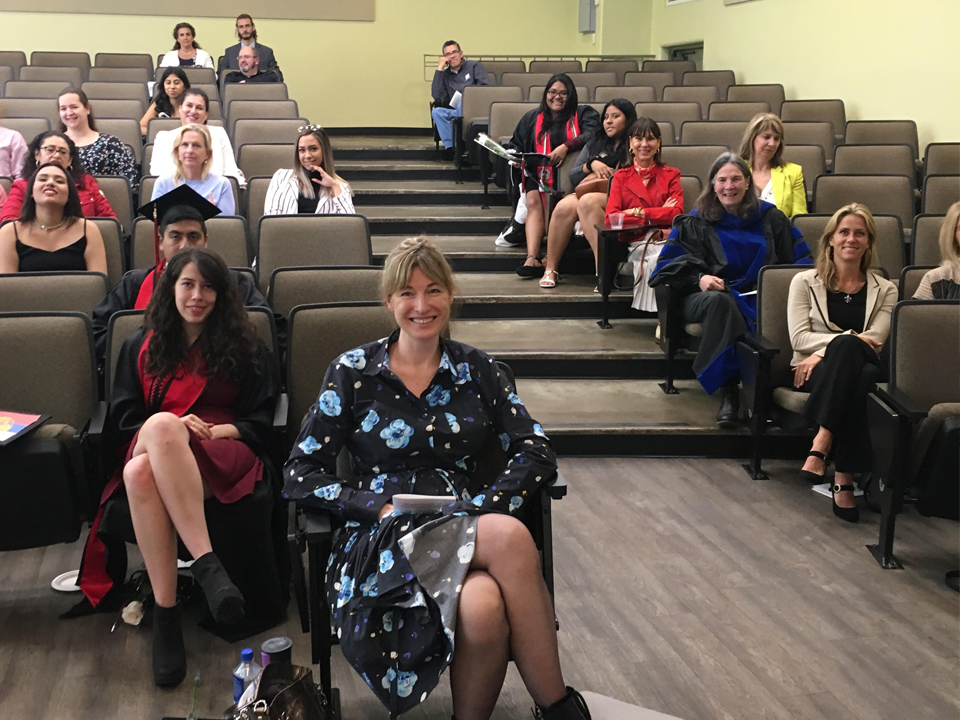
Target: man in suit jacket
point(247, 32)
point(250, 69)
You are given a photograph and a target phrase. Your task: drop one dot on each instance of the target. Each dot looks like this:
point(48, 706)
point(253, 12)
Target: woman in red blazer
point(649, 195)
point(53, 146)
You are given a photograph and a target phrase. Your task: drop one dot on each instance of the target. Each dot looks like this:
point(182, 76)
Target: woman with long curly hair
point(191, 411)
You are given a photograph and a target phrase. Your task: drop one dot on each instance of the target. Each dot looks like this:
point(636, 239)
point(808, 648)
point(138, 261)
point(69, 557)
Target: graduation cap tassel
point(156, 239)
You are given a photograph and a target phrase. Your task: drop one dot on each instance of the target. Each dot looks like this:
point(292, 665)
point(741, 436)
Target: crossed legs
point(505, 611)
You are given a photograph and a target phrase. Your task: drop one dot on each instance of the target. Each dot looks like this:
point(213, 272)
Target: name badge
point(467, 76)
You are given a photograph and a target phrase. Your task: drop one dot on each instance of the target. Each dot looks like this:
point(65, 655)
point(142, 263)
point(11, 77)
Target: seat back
point(591, 81)
point(28, 127)
point(15, 59)
point(925, 248)
point(635, 95)
point(883, 132)
point(124, 60)
point(318, 335)
point(120, 74)
point(552, 67)
point(525, 81)
point(831, 111)
point(692, 187)
point(127, 130)
point(771, 94)
point(942, 159)
point(657, 80)
point(117, 191)
point(118, 91)
point(703, 95)
point(112, 235)
point(811, 133)
point(6, 75)
point(256, 198)
point(34, 73)
point(924, 362)
point(736, 111)
point(693, 160)
point(939, 193)
point(668, 135)
point(478, 98)
point(119, 108)
point(713, 133)
point(276, 130)
point(773, 288)
point(810, 158)
point(505, 116)
point(254, 91)
point(874, 160)
point(675, 113)
point(890, 245)
point(244, 109)
point(891, 194)
point(720, 79)
point(620, 67)
point(5, 183)
point(496, 68)
point(62, 59)
point(120, 326)
point(677, 67)
point(227, 236)
point(292, 286)
point(48, 365)
point(295, 240)
point(534, 94)
point(34, 88)
point(263, 321)
point(196, 76)
point(910, 278)
point(157, 125)
point(264, 158)
point(52, 291)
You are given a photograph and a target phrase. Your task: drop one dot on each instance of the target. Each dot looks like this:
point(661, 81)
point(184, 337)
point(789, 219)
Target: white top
point(162, 163)
point(284, 190)
point(215, 188)
point(767, 194)
point(13, 151)
point(172, 59)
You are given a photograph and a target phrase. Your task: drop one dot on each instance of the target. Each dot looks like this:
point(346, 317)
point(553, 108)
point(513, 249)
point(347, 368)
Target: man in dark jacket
point(247, 32)
point(452, 76)
point(250, 71)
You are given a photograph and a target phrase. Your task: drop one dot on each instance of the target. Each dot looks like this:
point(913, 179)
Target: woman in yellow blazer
point(838, 315)
point(776, 181)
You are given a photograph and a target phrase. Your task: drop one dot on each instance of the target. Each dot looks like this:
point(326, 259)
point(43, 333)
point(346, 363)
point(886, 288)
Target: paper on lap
point(410, 503)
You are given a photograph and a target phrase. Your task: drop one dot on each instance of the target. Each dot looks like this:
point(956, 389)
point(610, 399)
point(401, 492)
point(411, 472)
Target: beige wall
point(885, 59)
point(341, 73)
point(624, 26)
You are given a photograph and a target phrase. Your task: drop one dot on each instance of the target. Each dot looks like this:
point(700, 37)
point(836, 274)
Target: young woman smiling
point(166, 99)
point(186, 50)
point(312, 186)
point(102, 154)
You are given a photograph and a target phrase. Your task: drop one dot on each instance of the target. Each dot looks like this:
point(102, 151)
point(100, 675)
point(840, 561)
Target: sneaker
point(513, 235)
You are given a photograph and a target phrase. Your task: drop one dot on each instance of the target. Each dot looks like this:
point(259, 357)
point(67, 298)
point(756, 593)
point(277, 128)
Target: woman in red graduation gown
point(191, 409)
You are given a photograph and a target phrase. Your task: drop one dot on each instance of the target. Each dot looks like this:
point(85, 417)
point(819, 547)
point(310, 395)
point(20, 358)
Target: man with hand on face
point(250, 71)
point(452, 76)
point(193, 109)
point(247, 32)
point(182, 216)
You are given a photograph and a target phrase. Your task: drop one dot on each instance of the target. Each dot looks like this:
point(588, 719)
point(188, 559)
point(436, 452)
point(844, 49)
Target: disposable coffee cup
point(276, 650)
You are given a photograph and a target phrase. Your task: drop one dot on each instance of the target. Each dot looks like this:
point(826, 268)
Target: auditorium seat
point(812, 133)
point(772, 94)
point(677, 67)
point(891, 250)
point(592, 80)
point(620, 67)
point(195, 75)
point(254, 91)
point(942, 159)
point(241, 109)
point(52, 291)
point(264, 158)
point(5, 183)
point(883, 132)
point(273, 130)
point(227, 236)
point(675, 113)
point(109, 60)
point(29, 127)
point(15, 59)
point(295, 240)
point(925, 248)
point(33, 73)
point(736, 111)
point(127, 130)
point(882, 194)
point(631, 94)
point(874, 160)
point(831, 111)
point(535, 93)
point(668, 135)
point(113, 243)
point(713, 133)
point(496, 68)
point(910, 278)
point(552, 67)
point(939, 193)
point(129, 109)
point(293, 286)
point(811, 160)
point(158, 124)
point(657, 80)
point(117, 191)
point(720, 79)
point(525, 81)
point(34, 88)
point(701, 94)
point(79, 60)
point(504, 117)
point(477, 100)
point(254, 199)
point(692, 159)
point(6, 75)
point(692, 187)
point(120, 74)
point(117, 91)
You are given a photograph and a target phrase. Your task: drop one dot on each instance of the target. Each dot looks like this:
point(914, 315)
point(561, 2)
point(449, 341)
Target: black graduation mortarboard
point(182, 195)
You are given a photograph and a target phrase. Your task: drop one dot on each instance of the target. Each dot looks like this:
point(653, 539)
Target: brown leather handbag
point(285, 692)
point(599, 185)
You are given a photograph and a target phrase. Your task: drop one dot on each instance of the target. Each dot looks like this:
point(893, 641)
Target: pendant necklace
point(47, 228)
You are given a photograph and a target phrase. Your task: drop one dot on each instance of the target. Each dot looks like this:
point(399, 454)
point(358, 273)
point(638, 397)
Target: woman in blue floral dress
point(412, 594)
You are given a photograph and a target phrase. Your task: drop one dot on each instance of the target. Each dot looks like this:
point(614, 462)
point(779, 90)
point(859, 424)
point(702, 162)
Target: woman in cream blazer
point(312, 186)
point(838, 315)
point(776, 181)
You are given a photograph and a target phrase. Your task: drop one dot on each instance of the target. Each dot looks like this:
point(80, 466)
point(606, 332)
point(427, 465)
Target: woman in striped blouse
point(312, 186)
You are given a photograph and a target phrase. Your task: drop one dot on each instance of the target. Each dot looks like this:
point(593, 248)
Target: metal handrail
point(430, 60)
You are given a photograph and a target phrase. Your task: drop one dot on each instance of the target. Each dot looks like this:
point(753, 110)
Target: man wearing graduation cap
point(180, 222)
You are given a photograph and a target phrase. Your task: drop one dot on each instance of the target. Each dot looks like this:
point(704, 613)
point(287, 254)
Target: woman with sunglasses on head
point(558, 127)
point(167, 96)
point(51, 234)
point(55, 147)
point(312, 186)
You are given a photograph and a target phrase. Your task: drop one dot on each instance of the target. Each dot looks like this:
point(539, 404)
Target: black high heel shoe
point(812, 477)
point(852, 514)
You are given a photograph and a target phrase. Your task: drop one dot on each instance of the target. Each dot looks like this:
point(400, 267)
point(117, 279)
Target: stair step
point(423, 192)
point(436, 219)
point(466, 253)
point(403, 170)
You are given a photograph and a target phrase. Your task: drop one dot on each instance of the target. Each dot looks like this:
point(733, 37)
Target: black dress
point(394, 584)
point(64, 259)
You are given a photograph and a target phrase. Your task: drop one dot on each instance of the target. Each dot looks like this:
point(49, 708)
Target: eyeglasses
point(451, 53)
point(557, 93)
point(54, 150)
point(308, 128)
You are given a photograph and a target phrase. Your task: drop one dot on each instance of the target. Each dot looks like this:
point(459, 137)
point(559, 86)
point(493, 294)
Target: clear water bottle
point(245, 673)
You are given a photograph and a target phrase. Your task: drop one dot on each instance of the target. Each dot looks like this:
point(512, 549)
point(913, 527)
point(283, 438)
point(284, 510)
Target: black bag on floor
point(285, 692)
point(940, 496)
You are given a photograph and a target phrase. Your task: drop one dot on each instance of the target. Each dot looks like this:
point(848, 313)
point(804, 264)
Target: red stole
point(146, 289)
point(170, 393)
point(542, 144)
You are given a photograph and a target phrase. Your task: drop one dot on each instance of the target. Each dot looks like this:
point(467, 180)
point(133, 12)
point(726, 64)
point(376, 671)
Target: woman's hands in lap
point(802, 372)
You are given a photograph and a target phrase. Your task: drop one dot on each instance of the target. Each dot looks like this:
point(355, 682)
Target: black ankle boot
point(571, 706)
point(223, 597)
point(729, 413)
point(169, 654)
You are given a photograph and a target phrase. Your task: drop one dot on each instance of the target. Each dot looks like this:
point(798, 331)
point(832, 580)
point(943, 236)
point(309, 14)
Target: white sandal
point(546, 282)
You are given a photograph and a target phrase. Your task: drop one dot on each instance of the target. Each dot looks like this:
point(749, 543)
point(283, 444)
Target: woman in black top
point(166, 100)
point(559, 126)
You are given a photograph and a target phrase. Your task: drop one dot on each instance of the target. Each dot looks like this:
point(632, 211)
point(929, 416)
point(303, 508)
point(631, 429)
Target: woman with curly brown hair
point(191, 410)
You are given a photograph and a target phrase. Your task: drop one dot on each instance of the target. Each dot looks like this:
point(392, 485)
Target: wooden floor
point(682, 586)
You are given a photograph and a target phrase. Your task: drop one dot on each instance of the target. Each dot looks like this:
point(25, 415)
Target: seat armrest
point(761, 344)
point(292, 524)
point(557, 488)
point(902, 403)
point(281, 412)
point(317, 523)
point(94, 430)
